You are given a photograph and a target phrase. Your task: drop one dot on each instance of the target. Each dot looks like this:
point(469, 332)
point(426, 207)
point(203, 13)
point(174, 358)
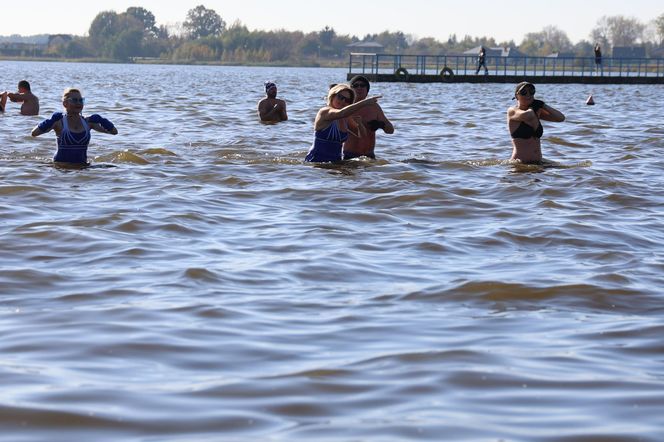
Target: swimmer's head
point(269, 85)
point(24, 84)
point(69, 92)
point(524, 84)
point(359, 81)
point(338, 89)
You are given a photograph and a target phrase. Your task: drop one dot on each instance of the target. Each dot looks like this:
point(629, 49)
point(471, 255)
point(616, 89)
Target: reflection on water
point(199, 282)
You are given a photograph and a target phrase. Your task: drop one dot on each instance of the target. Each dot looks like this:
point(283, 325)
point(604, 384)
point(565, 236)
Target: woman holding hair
point(334, 122)
point(72, 129)
point(523, 121)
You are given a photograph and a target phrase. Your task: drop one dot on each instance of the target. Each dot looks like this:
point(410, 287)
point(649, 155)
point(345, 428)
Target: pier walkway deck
point(463, 68)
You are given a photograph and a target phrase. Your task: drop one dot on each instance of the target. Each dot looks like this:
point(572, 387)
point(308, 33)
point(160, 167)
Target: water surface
point(200, 282)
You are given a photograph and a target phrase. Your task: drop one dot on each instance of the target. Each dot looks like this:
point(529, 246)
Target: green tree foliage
point(146, 18)
point(125, 35)
point(203, 22)
point(203, 36)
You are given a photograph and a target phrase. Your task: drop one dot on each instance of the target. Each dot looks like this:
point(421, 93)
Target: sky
point(502, 19)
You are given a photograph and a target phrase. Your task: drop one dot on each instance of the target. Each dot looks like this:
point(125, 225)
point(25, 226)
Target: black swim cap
point(360, 78)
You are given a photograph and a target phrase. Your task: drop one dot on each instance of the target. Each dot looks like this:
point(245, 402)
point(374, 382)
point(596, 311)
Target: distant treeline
point(205, 37)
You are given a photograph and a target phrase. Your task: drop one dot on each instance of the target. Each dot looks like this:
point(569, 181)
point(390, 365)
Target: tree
point(547, 41)
point(118, 36)
point(202, 22)
point(659, 28)
point(146, 18)
point(103, 27)
point(617, 30)
point(326, 36)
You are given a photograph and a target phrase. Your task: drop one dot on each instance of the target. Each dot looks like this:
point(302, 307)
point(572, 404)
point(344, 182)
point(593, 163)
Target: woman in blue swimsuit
point(523, 121)
point(72, 129)
point(334, 121)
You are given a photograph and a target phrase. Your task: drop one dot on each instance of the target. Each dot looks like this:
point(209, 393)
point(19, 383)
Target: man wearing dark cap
point(270, 108)
point(373, 119)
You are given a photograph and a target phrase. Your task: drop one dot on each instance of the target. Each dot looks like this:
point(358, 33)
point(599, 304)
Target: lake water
point(201, 283)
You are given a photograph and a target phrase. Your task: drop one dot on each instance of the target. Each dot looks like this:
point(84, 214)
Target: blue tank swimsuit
point(73, 147)
point(327, 144)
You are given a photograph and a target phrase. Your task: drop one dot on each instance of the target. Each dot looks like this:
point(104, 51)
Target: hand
point(374, 125)
point(537, 105)
point(373, 98)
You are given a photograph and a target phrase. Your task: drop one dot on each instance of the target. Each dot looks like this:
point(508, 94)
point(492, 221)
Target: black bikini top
point(525, 131)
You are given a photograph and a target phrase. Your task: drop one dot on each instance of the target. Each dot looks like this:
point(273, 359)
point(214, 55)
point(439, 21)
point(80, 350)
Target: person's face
point(342, 99)
point(526, 95)
point(361, 89)
point(272, 92)
point(74, 102)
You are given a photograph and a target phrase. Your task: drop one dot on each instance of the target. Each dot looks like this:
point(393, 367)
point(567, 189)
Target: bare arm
point(527, 116)
point(389, 128)
point(549, 113)
point(37, 131)
point(15, 98)
point(328, 114)
point(284, 114)
point(268, 112)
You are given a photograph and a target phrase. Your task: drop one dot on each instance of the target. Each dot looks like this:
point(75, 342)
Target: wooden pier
point(463, 69)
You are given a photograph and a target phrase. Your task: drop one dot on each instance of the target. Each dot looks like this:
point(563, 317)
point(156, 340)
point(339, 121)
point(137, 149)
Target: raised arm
point(15, 98)
point(549, 113)
point(527, 116)
point(327, 114)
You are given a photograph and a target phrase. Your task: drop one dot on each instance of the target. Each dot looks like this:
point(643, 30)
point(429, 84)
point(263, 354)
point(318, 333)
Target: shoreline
point(160, 61)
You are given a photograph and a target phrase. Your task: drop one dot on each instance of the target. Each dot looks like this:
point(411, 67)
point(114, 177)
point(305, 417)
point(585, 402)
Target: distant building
point(657, 52)
point(562, 55)
point(496, 52)
point(629, 52)
point(59, 39)
point(370, 47)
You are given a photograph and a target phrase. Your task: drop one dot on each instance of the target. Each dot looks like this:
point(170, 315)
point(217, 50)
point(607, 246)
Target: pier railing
point(442, 65)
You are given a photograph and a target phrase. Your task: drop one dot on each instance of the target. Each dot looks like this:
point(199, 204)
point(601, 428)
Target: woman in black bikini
point(523, 121)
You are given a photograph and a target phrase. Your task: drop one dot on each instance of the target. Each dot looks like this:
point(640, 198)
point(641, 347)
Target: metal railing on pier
point(441, 65)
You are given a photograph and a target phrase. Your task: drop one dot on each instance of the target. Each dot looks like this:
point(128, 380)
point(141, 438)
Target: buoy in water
point(590, 100)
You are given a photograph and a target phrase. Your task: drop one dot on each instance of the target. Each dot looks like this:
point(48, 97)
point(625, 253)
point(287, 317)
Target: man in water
point(30, 101)
point(270, 108)
point(373, 119)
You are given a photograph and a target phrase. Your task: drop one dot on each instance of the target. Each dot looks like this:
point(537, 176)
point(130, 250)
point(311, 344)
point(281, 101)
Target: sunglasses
point(526, 91)
point(358, 85)
point(344, 98)
point(76, 100)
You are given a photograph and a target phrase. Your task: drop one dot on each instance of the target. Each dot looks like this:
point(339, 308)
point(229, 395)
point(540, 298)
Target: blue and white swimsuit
point(73, 147)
